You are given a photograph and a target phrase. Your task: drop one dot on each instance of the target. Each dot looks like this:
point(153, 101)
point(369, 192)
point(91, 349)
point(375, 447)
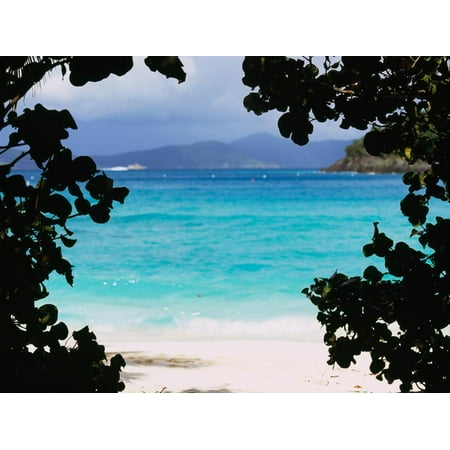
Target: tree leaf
point(15, 185)
point(119, 194)
point(368, 250)
point(75, 190)
point(48, 315)
point(68, 242)
point(300, 137)
point(99, 213)
point(170, 66)
point(95, 68)
point(83, 168)
point(99, 186)
point(371, 273)
point(82, 205)
point(254, 102)
point(285, 125)
point(60, 331)
point(57, 205)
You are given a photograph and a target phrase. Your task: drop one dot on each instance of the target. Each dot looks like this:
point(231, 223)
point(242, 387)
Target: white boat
point(136, 166)
point(116, 168)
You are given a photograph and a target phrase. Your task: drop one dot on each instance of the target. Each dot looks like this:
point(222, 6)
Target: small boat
point(136, 166)
point(116, 168)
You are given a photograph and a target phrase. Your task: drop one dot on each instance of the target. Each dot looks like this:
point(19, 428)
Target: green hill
point(356, 159)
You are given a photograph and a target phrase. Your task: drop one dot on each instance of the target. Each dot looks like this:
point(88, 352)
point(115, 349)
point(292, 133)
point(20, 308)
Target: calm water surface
point(223, 253)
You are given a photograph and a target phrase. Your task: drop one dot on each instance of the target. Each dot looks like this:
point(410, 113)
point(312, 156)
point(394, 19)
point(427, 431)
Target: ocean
point(222, 254)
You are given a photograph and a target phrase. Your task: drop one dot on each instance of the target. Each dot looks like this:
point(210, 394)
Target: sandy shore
point(241, 366)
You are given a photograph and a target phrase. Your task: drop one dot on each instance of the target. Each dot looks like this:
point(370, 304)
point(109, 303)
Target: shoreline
point(237, 366)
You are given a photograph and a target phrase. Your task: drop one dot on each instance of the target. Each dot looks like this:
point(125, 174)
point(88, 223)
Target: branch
point(344, 91)
point(415, 61)
point(334, 88)
point(13, 102)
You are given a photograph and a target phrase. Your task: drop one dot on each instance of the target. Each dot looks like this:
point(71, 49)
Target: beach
point(238, 366)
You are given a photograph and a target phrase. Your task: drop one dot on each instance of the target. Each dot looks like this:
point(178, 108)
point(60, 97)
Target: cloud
point(143, 109)
point(210, 88)
point(139, 92)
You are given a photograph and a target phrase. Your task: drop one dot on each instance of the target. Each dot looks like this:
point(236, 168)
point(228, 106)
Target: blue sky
point(143, 109)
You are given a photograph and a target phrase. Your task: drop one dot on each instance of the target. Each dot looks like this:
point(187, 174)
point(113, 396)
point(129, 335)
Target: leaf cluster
point(34, 228)
point(400, 315)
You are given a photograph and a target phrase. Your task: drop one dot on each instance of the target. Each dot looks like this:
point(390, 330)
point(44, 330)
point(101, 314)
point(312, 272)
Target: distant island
point(357, 159)
point(257, 151)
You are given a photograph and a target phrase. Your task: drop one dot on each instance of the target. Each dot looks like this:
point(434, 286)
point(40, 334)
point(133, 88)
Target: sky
point(144, 110)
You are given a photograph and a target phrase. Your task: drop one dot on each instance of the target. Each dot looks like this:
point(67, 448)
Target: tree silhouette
point(34, 228)
point(398, 314)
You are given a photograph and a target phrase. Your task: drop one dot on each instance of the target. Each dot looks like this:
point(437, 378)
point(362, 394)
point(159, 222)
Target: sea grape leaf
point(99, 213)
point(99, 186)
point(95, 68)
point(119, 194)
point(75, 190)
point(83, 168)
point(42, 129)
point(170, 66)
point(377, 365)
point(48, 314)
point(371, 273)
point(117, 361)
point(66, 119)
point(368, 250)
point(285, 125)
point(60, 331)
point(253, 102)
point(83, 335)
point(82, 205)
point(56, 204)
point(381, 244)
point(300, 137)
point(68, 242)
point(15, 185)
point(413, 206)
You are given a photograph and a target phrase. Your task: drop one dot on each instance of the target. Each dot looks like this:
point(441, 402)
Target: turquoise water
point(209, 253)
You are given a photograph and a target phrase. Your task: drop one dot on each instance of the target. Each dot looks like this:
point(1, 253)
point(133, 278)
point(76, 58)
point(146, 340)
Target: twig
point(414, 61)
point(344, 91)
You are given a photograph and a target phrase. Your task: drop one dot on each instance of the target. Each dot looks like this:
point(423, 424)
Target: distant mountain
point(255, 151)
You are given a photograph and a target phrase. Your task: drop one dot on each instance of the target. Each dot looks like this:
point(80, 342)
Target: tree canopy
point(399, 314)
point(34, 223)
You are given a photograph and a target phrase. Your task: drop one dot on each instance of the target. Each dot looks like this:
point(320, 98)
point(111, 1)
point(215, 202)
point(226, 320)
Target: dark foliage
point(400, 314)
point(34, 229)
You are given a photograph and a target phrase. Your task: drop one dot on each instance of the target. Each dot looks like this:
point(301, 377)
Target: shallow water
point(223, 253)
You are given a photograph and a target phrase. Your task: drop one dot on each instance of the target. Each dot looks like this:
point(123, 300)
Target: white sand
point(245, 366)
